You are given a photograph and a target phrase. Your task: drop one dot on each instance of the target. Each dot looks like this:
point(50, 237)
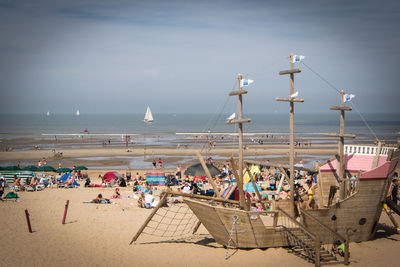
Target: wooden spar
point(278, 189)
point(162, 201)
point(210, 179)
point(240, 121)
point(274, 165)
point(375, 162)
point(171, 192)
point(341, 168)
point(239, 183)
point(291, 100)
point(255, 188)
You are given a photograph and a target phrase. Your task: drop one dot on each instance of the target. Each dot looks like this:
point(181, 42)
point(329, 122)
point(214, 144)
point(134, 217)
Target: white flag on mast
point(245, 82)
point(348, 97)
point(297, 58)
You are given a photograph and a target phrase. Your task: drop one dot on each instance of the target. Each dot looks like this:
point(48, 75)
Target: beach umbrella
point(12, 168)
point(31, 168)
point(80, 168)
point(46, 168)
point(63, 170)
point(197, 170)
point(250, 188)
point(108, 176)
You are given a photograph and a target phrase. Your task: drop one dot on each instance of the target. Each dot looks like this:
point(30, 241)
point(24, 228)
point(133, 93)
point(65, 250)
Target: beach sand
point(99, 235)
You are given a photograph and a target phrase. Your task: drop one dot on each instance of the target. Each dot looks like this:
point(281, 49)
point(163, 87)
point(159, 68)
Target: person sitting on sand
point(18, 185)
point(100, 200)
point(116, 193)
point(70, 181)
point(148, 200)
point(33, 182)
point(141, 200)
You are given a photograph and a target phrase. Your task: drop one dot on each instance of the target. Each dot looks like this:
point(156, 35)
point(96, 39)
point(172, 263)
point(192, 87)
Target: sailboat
point(78, 113)
point(148, 117)
point(48, 113)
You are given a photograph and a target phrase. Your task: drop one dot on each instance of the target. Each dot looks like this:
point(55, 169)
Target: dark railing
point(333, 235)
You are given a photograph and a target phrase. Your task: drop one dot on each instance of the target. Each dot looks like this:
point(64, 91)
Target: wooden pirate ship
point(349, 195)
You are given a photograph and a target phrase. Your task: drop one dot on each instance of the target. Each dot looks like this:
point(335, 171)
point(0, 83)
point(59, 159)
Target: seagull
point(294, 95)
point(231, 117)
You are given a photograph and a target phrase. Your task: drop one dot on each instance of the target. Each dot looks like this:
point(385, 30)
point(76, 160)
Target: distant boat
point(78, 113)
point(148, 117)
point(48, 113)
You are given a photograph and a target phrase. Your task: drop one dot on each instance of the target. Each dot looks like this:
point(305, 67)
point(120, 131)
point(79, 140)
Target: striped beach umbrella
point(46, 168)
point(31, 168)
point(80, 168)
point(12, 168)
point(63, 170)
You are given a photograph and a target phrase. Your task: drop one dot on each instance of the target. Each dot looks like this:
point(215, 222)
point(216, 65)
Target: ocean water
point(385, 126)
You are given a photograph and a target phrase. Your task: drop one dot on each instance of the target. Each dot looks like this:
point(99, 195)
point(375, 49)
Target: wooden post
point(162, 200)
point(28, 221)
point(291, 100)
point(317, 251)
point(65, 212)
point(341, 150)
point(240, 116)
point(375, 162)
point(239, 183)
point(210, 179)
point(291, 152)
point(256, 189)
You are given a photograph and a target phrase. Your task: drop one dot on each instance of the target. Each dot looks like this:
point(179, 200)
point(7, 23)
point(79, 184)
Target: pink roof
point(380, 172)
point(353, 163)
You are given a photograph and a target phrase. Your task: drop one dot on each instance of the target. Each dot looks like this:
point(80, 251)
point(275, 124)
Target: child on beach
point(116, 193)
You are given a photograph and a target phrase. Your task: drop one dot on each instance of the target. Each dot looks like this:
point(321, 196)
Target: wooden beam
point(255, 188)
point(171, 192)
point(291, 71)
point(210, 178)
point(162, 200)
point(241, 92)
point(274, 165)
point(290, 99)
point(341, 108)
point(239, 121)
point(239, 183)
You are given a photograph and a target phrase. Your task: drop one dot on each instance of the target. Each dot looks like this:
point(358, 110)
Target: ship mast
point(341, 168)
point(292, 100)
point(240, 121)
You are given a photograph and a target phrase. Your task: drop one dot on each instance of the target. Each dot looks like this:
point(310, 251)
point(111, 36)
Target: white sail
point(78, 113)
point(148, 117)
point(48, 113)
point(231, 117)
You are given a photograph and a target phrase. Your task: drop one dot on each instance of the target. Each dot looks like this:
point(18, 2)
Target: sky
point(184, 56)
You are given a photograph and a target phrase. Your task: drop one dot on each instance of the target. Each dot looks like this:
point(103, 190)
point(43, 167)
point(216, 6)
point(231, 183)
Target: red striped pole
point(28, 221)
point(65, 212)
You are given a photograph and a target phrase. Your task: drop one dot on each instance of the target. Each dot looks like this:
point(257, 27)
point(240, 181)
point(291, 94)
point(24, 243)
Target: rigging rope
point(174, 221)
point(337, 90)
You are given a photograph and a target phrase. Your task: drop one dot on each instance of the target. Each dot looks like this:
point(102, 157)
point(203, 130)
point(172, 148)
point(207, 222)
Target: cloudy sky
point(184, 56)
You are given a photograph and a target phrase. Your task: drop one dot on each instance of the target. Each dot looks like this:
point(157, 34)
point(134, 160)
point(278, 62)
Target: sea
point(382, 126)
point(61, 131)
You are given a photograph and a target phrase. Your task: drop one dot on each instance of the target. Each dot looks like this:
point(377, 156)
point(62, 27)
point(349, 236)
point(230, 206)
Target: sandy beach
point(99, 235)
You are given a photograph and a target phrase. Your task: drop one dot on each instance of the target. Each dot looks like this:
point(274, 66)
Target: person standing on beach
point(160, 163)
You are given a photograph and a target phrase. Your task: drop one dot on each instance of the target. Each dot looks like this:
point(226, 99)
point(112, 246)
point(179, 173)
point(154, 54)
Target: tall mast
point(291, 99)
point(341, 168)
point(240, 121)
